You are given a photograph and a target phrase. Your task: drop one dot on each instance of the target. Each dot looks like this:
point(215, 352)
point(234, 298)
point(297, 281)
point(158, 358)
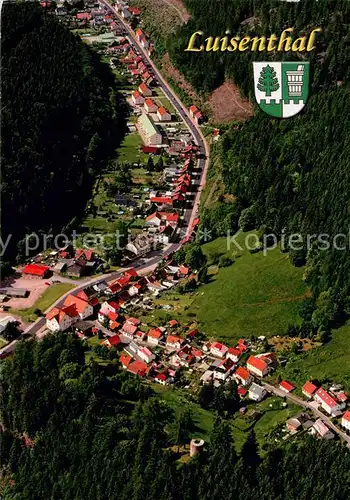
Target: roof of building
point(257, 363)
point(114, 340)
point(149, 102)
point(173, 339)
point(155, 333)
point(80, 304)
point(346, 415)
point(146, 351)
point(194, 108)
point(161, 376)
point(129, 328)
point(146, 122)
point(287, 386)
point(309, 387)
point(36, 269)
point(133, 321)
point(326, 398)
point(173, 322)
point(125, 359)
point(219, 347)
point(234, 352)
point(242, 373)
point(143, 88)
point(138, 368)
point(242, 391)
point(342, 397)
point(321, 427)
point(162, 111)
point(256, 389)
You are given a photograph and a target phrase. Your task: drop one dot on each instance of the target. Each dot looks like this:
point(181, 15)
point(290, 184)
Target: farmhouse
point(233, 354)
point(148, 131)
point(113, 341)
point(328, 403)
point(257, 366)
point(36, 270)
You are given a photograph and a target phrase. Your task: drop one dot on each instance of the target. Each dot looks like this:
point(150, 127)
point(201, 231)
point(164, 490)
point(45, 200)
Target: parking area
point(35, 286)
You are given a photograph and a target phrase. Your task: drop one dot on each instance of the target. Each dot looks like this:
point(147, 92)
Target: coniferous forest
point(72, 430)
point(287, 176)
point(57, 122)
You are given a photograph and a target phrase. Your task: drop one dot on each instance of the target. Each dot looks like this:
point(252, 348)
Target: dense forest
point(59, 120)
point(287, 176)
point(84, 431)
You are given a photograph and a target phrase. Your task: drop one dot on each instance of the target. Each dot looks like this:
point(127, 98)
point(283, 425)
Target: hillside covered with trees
point(59, 119)
point(84, 431)
point(285, 176)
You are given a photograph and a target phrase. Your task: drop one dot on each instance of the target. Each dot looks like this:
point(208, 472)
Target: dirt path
point(183, 14)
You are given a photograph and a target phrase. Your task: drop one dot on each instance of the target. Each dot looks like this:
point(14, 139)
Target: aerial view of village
point(152, 315)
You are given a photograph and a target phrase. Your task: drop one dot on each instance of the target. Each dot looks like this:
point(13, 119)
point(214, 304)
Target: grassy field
point(50, 296)
point(129, 150)
point(256, 295)
point(328, 363)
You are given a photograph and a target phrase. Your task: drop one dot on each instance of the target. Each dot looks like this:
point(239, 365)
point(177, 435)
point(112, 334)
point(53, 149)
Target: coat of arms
point(281, 88)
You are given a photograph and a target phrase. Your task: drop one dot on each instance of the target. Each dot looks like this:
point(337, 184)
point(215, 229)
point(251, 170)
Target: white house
point(242, 376)
point(154, 336)
point(256, 392)
point(59, 320)
point(148, 131)
point(345, 421)
point(137, 98)
point(150, 106)
point(222, 369)
point(110, 306)
point(257, 366)
point(328, 403)
point(84, 309)
point(233, 354)
point(146, 355)
point(163, 115)
point(218, 350)
point(173, 342)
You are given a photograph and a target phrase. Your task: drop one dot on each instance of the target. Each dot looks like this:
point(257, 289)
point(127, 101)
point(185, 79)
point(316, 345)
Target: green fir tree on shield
point(268, 81)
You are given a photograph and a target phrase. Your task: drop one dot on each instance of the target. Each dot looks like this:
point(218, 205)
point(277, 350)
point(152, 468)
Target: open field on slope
point(327, 363)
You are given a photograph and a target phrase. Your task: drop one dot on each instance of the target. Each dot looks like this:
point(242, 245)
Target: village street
point(310, 406)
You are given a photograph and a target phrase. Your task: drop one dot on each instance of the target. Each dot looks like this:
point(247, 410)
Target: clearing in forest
point(227, 104)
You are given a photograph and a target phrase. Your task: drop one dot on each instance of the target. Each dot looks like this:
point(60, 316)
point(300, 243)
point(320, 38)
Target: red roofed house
point(320, 429)
point(345, 421)
point(193, 110)
point(128, 330)
point(173, 342)
point(161, 200)
point(154, 336)
point(257, 366)
point(133, 321)
point(144, 90)
point(83, 16)
point(135, 12)
point(58, 320)
point(131, 273)
point(149, 106)
point(113, 341)
point(163, 115)
point(309, 389)
point(242, 376)
point(218, 350)
point(137, 98)
point(125, 360)
point(139, 33)
point(241, 391)
point(234, 354)
point(138, 368)
point(110, 306)
point(84, 309)
point(342, 396)
point(329, 404)
point(36, 270)
point(286, 386)
point(161, 378)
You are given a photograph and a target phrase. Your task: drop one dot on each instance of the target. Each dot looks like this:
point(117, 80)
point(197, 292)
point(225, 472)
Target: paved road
point(306, 404)
point(189, 214)
point(203, 163)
